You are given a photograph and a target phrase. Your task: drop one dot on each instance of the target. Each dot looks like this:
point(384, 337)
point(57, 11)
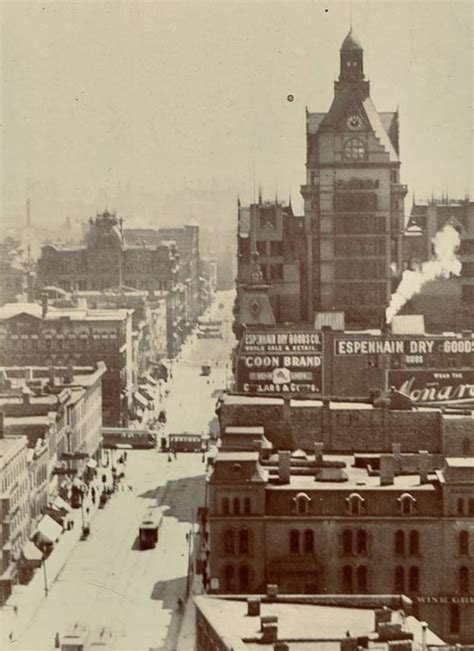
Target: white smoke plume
point(443, 264)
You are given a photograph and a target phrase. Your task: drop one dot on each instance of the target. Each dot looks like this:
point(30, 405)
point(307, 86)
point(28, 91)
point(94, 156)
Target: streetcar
point(148, 530)
point(123, 438)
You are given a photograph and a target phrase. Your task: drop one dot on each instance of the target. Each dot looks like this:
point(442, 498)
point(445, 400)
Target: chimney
point(284, 466)
point(269, 628)
point(396, 449)
point(28, 373)
point(44, 305)
point(424, 628)
point(386, 469)
point(2, 425)
point(349, 643)
point(382, 616)
point(26, 397)
point(423, 465)
point(281, 646)
point(253, 606)
point(52, 376)
point(272, 590)
point(318, 453)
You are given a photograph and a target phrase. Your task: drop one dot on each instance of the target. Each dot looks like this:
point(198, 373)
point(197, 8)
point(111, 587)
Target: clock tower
point(353, 199)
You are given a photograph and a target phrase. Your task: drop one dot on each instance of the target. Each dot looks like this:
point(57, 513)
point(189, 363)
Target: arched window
point(236, 506)
point(244, 579)
point(294, 541)
point(464, 579)
point(244, 541)
point(355, 504)
point(225, 506)
point(229, 545)
point(414, 579)
point(406, 504)
point(362, 542)
point(414, 543)
point(347, 542)
point(399, 583)
point(309, 541)
point(464, 543)
point(347, 584)
point(247, 506)
point(399, 542)
point(229, 578)
point(302, 503)
point(362, 578)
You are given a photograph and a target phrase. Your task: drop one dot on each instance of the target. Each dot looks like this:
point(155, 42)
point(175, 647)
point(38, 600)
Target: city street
point(108, 581)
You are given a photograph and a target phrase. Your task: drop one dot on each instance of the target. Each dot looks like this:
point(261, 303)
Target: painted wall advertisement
point(434, 387)
point(280, 362)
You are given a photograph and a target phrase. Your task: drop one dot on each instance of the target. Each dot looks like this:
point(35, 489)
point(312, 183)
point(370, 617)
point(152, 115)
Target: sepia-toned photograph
point(236, 325)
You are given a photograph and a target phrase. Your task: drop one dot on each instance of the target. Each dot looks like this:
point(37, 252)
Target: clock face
point(354, 122)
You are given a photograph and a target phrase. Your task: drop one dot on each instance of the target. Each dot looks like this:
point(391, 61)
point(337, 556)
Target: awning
point(151, 381)
point(92, 463)
point(31, 552)
point(61, 504)
point(146, 393)
point(49, 529)
point(141, 400)
point(79, 484)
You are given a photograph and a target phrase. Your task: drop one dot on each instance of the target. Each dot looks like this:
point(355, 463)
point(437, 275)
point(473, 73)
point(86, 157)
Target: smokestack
point(253, 606)
point(349, 643)
point(284, 466)
point(387, 470)
point(269, 628)
point(44, 304)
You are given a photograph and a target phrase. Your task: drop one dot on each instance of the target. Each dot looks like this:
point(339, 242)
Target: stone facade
point(373, 524)
point(34, 335)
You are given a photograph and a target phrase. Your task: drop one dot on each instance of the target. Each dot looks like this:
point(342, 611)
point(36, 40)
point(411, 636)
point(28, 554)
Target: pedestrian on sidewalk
point(169, 457)
point(203, 458)
point(57, 641)
point(175, 453)
point(15, 609)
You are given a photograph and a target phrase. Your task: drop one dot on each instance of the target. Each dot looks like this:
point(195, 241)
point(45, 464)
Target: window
point(347, 542)
point(362, 542)
point(236, 504)
point(347, 585)
point(244, 579)
point(229, 542)
point(247, 506)
point(466, 447)
point(464, 579)
point(471, 507)
point(362, 578)
point(229, 579)
point(225, 506)
point(244, 541)
point(464, 543)
point(399, 583)
point(406, 503)
point(294, 541)
point(454, 619)
point(414, 579)
point(276, 272)
point(414, 543)
point(302, 503)
point(355, 504)
point(276, 248)
point(262, 247)
point(308, 541)
point(460, 506)
point(354, 149)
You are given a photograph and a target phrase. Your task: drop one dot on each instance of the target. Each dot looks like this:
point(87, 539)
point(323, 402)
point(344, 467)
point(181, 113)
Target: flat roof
point(238, 429)
point(460, 462)
point(10, 442)
point(237, 456)
point(300, 622)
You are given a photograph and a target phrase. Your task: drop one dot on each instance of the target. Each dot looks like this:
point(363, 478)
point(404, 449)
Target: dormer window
point(355, 504)
point(302, 503)
point(406, 504)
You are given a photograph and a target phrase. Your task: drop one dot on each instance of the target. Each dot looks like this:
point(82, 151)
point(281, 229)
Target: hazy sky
point(157, 95)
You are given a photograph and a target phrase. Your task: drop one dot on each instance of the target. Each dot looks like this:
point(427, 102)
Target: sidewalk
point(28, 598)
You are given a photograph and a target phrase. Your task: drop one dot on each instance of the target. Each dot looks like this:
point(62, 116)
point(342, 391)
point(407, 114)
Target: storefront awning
point(61, 504)
point(92, 463)
point(140, 400)
point(31, 552)
point(145, 392)
point(49, 529)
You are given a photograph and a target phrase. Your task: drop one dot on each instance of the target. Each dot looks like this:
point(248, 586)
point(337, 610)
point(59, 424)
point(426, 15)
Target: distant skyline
point(154, 97)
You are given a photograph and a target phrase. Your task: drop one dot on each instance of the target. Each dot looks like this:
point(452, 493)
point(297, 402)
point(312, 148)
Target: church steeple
point(352, 59)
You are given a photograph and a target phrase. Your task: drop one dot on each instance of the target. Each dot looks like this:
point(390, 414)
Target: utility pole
point(188, 576)
point(45, 577)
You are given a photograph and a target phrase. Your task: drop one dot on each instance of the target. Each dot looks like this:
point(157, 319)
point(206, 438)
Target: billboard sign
point(413, 348)
point(434, 387)
point(280, 362)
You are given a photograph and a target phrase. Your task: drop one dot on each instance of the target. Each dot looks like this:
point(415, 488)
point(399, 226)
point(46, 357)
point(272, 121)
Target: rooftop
point(10, 444)
point(301, 623)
